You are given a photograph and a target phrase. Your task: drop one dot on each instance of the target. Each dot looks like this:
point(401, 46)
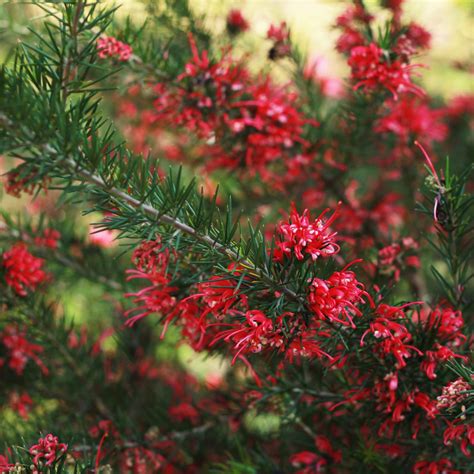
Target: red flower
point(324, 446)
point(441, 354)
point(251, 335)
point(5, 466)
point(302, 237)
point(48, 450)
point(16, 183)
point(278, 33)
point(336, 298)
point(462, 432)
point(425, 402)
point(49, 239)
point(409, 117)
point(156, 298)
point(447, 323)
point(310, 463)
point(109, 47)
point(22, 270)
point(371, 70)
point(184, 411)
point(236, 23)
point(453, 394)
point(219, 295)
point(151, 262)
point(21, 404)
point(442, 466)
point(20, 350)
point(398, 349)
point(349, 39)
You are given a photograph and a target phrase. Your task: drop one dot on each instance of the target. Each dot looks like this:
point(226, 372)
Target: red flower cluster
point(20, 350)
point(20, 403)
point(447, 324)
point(5, 465)
point(414, 39)
point(109, 47)
point(302, 237)
point(462, 433)
point(248, 125)
point(411, 117)
point(278, 34)
point(393, 258)
point(371, 70)
point(442, 466)
point(236, 23)
point(336, 298)
point(49, 239)
point(16, 183)
point(47, 451)
point(453, 394)
point(349, 22)
point(135, 459)
point(151, 262)
point(23, 271)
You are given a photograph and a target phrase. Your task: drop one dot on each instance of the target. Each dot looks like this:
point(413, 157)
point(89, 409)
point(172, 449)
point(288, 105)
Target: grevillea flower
point(16, 183)
point(156, 298)
point(109, 47)
point(385, 323)
point(442, 466)
point(370, 69)
point(5, 465)
point(433, 358)
point(453, 394)
point(140, 460)
point(279, 33)
point(336, 299)
point(460, 432)
point(447, 323)
point(396, 347)
point(184, 411)
point(325, 446)
point(23, 271)
point(236, 23)
point(220, 294)
point(305, 344)
point(21, 403)
point(20, 350)
point(47, 451)
point(307, 462)
point(426, 403)
point(409, 117)
point(252, 126)
point(251, 335)
point(48, 239)
point(151, 263)
point(302, 237)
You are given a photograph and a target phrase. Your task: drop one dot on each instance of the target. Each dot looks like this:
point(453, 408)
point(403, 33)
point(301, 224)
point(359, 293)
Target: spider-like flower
point(371, 69)
point(23, 271)
point(48, 450)
point(250, 335)
point(302, 236)
point(453, 394)
point(109, 47)
point(20, 350)
point(236, 23)
point(336, 298)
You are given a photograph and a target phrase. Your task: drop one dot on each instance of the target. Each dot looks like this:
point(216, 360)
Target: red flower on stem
point(23, 271)
point(47, 451)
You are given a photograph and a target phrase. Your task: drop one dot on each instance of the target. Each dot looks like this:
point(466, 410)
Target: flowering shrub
point(165, 332)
